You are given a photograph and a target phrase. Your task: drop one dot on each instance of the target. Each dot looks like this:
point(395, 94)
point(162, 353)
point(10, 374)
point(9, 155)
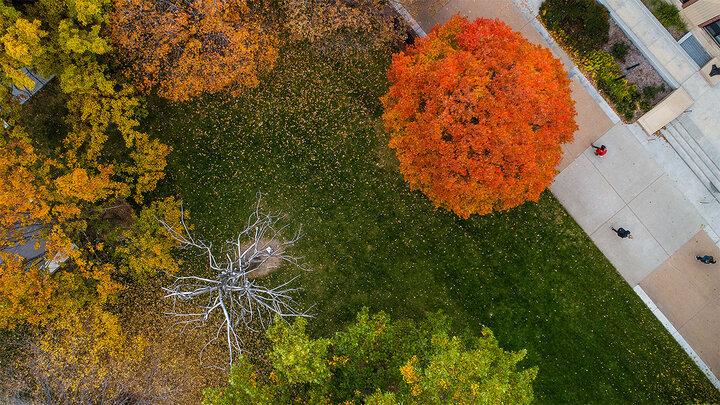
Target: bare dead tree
point(233, 291)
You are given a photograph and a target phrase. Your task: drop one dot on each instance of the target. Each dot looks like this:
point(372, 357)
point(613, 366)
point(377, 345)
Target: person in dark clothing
point(599, 150)
point(706, 259)
point(622, 232)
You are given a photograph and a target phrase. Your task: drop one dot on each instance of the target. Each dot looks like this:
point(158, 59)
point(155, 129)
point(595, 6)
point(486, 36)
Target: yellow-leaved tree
point(66, 236)
point(89, 358)
point(65, 244)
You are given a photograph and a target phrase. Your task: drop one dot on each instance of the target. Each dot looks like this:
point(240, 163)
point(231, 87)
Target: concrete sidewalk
point(628, 188)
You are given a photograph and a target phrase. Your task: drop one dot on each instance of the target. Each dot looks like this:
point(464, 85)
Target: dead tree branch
point(232, 291)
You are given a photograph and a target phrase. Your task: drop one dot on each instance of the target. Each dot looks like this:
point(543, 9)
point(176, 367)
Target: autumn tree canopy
point(62, 193)
point(75, 214)
point(342, 25)
point(476, 114)
point(69, 213)
point(63, 38)
point(185, 48)
point(376, 361)
point(89, 358)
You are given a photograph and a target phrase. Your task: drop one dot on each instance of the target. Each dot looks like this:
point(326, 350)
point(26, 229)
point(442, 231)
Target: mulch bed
point(642, 76)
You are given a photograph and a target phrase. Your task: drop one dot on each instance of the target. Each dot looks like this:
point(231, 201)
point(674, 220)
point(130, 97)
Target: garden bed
point(644, 76)
point(580, 27)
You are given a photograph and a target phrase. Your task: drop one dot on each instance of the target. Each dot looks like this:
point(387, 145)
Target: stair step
point(708, 148)
point(690, 157)
point(699, 150)
point(694, 150)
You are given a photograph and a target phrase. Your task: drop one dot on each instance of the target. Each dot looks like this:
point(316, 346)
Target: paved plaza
point(641, 185)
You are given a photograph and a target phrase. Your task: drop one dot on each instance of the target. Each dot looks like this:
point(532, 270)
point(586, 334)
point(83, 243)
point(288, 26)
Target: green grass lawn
point(311, 140)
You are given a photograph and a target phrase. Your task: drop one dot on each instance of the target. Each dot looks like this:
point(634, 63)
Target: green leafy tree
point(20, 44)
point(375, 361)
point(65, 39)
point(19, 47)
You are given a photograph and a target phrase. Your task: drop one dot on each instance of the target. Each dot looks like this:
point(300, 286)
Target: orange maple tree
point(477, 114)
point(185, 48)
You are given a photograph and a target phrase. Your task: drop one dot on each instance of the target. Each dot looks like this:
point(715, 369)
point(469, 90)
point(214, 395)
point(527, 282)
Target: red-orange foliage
point(477, 114)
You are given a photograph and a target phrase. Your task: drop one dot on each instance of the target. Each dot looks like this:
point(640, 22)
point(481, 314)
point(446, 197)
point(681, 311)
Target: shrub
point(583, 27)
point(645, 105)
point(619, 50)
point(476, 115)
point(651, 91)
point(580, 24)
point(606, 73)
point(668, 15)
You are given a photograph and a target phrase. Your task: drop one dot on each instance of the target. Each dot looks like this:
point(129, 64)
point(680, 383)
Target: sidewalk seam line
point(654, 238)
point(710, 301)
point(647, 187)
point(625, 204)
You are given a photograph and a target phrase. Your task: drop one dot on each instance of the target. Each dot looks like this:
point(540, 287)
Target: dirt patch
point(119, 214)
point(643, 75)
point(675, 33)
point(270, 265)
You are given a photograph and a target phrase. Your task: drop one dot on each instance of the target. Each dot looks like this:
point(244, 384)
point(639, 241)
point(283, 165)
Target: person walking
point(622, 232)
point(706, 259)
point(599, 150)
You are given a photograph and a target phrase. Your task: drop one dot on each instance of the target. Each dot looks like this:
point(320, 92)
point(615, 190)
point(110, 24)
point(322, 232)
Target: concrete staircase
point(682, 137)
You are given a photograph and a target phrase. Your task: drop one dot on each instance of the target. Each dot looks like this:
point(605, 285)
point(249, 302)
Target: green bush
point(668, 15)
point(582, 25)
point(651, 91)
point(645, 105)
point(619, 50)
point(606, 73)
point(625, 97)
